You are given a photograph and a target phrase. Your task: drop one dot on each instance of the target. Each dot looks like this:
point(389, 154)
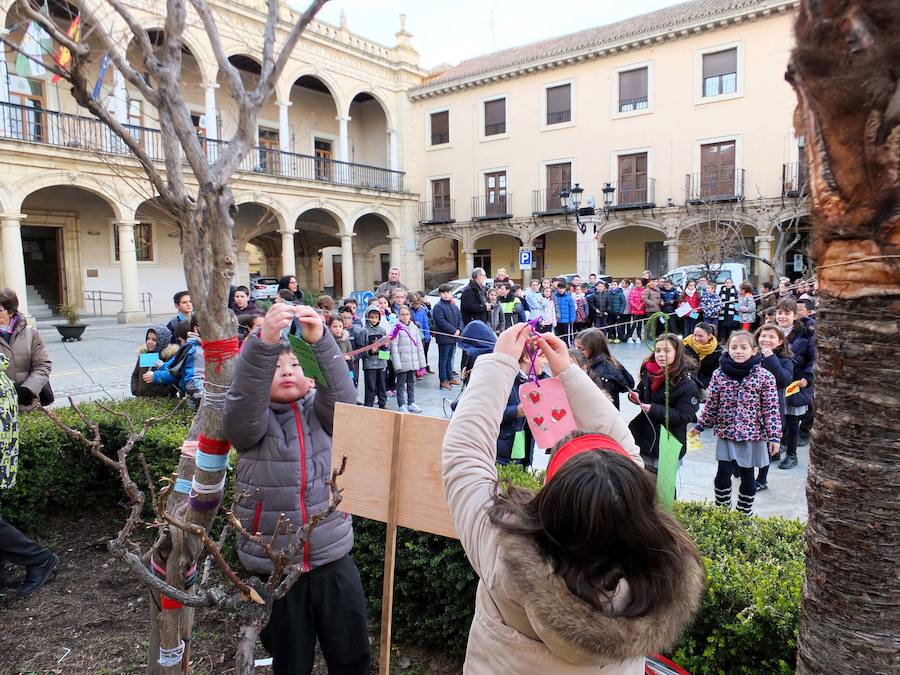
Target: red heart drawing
point(539, 420)
point(558, 414)
point(534, 396)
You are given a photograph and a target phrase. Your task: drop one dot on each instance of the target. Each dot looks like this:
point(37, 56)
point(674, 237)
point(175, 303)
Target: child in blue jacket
point(186, 368)
point(565, 311)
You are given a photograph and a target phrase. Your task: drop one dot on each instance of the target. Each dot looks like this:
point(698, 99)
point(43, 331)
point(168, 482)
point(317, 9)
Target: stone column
point(288, 257)
point(128, 271)
point(764, 250)
point(526, 274)
point(585, 249)
point(212, 118)
point(672, 253)
point(347, 264)
point(243, 267)
point(601, 247)
point(14, 257)
point(470, 260)
point(397, 252)
point(420, 272)
point(342, 174)
point(284, 137)
point(394, 158)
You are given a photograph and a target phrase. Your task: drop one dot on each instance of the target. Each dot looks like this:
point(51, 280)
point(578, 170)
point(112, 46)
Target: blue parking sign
point(524, 259)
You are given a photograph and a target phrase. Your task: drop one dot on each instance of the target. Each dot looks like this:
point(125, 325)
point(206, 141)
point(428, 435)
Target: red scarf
point(657, 375)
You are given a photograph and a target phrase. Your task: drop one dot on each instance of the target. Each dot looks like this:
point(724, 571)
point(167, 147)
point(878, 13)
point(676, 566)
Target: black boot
point(38, 575)
point(790, 461)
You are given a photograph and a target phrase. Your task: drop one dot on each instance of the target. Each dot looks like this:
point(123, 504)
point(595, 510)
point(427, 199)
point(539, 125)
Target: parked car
point(584, 279)
point(737, 272)
point(263, 288)
point(434, 296)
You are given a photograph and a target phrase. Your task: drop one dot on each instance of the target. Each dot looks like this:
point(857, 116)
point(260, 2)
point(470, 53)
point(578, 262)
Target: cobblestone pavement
point(100, 367)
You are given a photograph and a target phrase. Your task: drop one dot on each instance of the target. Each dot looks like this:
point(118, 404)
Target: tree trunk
point(844, 70)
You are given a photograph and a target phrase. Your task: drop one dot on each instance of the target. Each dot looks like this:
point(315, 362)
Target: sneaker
point(617, 341)
point(413, 408)
point(761, 486)
point(445, 385)
point(38, 575)
point(403, 409)
point(429, 371)
point(453, 382)
point(788, 462)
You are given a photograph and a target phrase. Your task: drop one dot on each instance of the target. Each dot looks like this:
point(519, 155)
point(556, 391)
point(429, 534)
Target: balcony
point(641, 197)
point(719, 184)
point(441, 212)
point(546, 202)
point(794, 180)
point(632, 104)
point(21, 123)
point(495, 207)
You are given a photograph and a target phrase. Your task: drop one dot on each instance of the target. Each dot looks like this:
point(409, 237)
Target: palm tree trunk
point(845, 72)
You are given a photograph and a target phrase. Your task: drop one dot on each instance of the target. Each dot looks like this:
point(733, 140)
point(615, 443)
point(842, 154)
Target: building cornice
point(625, 44)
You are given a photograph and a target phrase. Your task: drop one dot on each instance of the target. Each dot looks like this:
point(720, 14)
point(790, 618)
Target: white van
point(737, 272)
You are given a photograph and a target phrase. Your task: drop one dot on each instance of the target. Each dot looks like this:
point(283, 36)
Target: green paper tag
point(518, 448)
point(667, 470)
point(307, 358)
point(384, 354)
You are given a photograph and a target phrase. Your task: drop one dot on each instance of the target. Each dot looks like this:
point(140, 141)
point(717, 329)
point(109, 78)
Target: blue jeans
point(445, 360)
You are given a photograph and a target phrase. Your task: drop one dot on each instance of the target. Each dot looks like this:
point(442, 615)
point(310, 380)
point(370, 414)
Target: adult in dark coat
point(473, 300)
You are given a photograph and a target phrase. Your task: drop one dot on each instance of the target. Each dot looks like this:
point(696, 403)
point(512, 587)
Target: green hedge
point(747, 624)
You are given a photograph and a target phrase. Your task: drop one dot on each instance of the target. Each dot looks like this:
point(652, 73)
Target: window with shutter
point(440, 127)
point(495, 117)
point(720, 73)
point(495, 193)
point(717, 170)
point(633, 90)
point(559, 104)
point(143, 242)
point(440, 197)
point(559, 178)
point(632, 179)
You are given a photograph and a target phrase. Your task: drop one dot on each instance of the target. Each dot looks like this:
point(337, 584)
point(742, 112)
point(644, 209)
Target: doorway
point(42, 250)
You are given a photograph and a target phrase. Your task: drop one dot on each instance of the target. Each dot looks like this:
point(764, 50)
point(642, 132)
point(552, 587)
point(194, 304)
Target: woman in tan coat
point(29, 364)
point(588, 575)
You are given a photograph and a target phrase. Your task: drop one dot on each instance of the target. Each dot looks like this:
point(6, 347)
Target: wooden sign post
point(393, 475)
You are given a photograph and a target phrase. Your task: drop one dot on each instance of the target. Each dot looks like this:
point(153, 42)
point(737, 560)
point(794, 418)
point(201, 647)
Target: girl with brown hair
point(588, 572)
point(595, 347)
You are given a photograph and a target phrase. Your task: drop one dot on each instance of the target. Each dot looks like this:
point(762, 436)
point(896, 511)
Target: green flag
point(667, 469)
point(36, 43)
point(307, 358)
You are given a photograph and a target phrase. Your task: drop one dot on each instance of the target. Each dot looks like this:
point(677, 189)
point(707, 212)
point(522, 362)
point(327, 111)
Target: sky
point(450, 32)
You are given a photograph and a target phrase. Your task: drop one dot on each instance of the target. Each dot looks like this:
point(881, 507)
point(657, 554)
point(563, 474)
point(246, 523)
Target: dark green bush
point(57, 473)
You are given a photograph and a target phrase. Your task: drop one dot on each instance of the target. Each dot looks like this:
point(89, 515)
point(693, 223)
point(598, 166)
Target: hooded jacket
point(482, 339)
point(373, 334)
point(615, 380)
point(745, 409)
point(652, 300)
point(803, 345)
point(166, 350)
point(683, 404)
point(29, 364)
point(284, 454)
point(526, 620)
point(421, 319)
point(565, 307)
point(636, 305)
point(407, 350)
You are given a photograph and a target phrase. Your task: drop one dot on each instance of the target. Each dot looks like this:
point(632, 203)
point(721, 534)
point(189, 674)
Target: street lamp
point(571, 198)
point(608, 191)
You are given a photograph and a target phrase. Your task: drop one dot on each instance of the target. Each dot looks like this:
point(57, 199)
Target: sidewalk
point(100, 367)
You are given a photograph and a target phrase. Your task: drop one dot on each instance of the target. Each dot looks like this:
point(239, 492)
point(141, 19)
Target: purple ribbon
point(397, 328)
point(202, 506)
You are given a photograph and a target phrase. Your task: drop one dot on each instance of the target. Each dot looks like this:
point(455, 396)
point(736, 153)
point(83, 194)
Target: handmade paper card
point(307, 358)
point(149, 360)
point(792, 388)
point(683, 309)
point(547, 411)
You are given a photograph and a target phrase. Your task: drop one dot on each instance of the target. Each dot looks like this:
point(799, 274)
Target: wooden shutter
point(440, 127)
point(717, 165)
point(495, 117)
point(632, 87)
point(632, 179)
point(559, 178)
point(440, 197)
point(495, 193)
point(720, 63)
point(559, 104)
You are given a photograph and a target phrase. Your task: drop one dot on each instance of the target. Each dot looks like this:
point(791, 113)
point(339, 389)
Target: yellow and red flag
point(64, 56)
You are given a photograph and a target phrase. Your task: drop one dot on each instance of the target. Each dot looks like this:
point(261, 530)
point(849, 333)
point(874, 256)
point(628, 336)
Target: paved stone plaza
point(100, 366)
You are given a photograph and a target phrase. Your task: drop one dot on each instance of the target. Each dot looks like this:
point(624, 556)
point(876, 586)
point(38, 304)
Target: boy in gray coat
point(282, 430)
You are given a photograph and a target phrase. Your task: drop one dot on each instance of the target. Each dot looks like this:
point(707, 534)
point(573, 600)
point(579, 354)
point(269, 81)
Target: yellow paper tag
point(792, 388)
point(694, 443)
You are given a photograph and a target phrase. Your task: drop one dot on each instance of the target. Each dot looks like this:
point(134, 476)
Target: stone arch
point(507, 230)
point(31, 184)
point(741, 218)
point(390, 219)
point(431, 234)
point(621, 224)
point(250, 224)
point(201, 52)
point(264, 199)
point(6, 200)
point(330, 208)
point(387, 108)
point(286, 82)
point(551, 227)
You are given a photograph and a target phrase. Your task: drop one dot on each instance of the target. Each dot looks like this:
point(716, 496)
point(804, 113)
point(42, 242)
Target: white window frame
point(542, 122)
point(439, 146)
point(614, 95)
point(738, 152)
point(699, 98)
point(614, 167)
point(495, 137)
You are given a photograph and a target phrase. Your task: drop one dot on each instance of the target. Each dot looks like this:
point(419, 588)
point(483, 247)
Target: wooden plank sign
point(393, 474)
point(366, 436)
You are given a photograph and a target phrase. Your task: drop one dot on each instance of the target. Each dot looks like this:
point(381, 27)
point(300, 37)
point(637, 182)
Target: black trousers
point(375, 385)
point(19, 549)
point(328, 603)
